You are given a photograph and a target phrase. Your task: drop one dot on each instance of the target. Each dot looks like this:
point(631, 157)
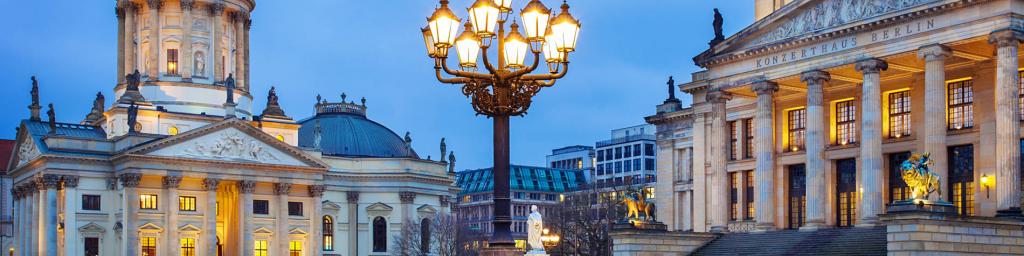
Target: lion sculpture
point(919, 177)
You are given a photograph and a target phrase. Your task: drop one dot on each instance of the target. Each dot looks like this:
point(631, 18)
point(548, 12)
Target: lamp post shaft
point(502, 222)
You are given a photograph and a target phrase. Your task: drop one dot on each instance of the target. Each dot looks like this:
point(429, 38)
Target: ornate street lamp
point(504, 88)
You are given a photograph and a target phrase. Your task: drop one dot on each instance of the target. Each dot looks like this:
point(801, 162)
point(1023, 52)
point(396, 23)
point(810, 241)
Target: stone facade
point(635, 242)
point(935, 234)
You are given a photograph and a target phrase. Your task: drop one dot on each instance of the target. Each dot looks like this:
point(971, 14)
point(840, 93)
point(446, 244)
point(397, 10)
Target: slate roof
point(353, 135)
point(40, 129)
point(829, 241)
point(522, 178)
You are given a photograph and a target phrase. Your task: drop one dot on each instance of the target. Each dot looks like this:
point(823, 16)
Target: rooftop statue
point(717, 23)
point(133, 116)
point(451, 162)
point(444, 149)
point(52, 117)
point(919, 176)
point(35, 91)
point(229, 83)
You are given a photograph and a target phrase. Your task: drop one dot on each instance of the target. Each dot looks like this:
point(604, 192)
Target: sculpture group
point(919, 176)
point(636, 201)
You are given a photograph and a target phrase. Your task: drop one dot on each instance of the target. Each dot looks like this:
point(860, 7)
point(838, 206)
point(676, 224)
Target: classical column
point(719, 156)
point(1008, 187)
point(282, 190)
point(185, 60)
point(935, 108)
point(130, 44)
point(70, 218)
point(247, 187)
point(239, 22)
point(209, 234)
point(170, 184)
point(130, 183)
point(17, 194)
point(31, 218)
point(41, 204)
point(871, 204)
point(153, 70)
point(407, 199)
point(315, 225)
point(217, 13)
point(764, 179)
point(815, 148)
point(51, 182)
point(119, 10)
point(352, 197)
point(245, 51)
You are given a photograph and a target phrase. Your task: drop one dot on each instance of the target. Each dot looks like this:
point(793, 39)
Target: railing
point(625, 139)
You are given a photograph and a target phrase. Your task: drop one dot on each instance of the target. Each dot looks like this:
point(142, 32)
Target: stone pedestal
point(501, 251)
point(930, 233)
point(636, 241)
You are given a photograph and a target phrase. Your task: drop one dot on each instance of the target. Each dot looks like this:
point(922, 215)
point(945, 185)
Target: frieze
point(231, 146)
point(832, 13)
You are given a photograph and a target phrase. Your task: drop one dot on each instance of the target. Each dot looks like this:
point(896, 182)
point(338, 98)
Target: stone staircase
point(832, 241)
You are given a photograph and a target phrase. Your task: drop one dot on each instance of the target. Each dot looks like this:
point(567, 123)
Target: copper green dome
point(345, 131)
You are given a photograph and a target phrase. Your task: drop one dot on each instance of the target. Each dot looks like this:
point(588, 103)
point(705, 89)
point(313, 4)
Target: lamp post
point(504, 88)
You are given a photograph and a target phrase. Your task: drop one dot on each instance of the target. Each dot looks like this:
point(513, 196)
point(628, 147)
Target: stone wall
point(920, 233)
point(635, 242)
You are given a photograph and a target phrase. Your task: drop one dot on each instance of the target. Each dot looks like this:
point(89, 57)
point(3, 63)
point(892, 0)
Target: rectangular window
point(649, 149)
point(187, 203)
point(846, 122)
point(734, 139)
point(600, 155)
point(748, 140)
point(147, 202)
point(636, 150)
point(91, 202)
point(260, 207)
point(734, 211)
point(748, 195)
point(627, 152)
point(260, 248)
point(295, 248)
point(899, 114)
point(188, 247)
point(172, 61)
point(148, 245)
point(295, 208)
point(961, 104)
point(618, 153)
point(627, 167)
point(649, 164)
point(92, 246)
point(797, 125)
point(618, 167)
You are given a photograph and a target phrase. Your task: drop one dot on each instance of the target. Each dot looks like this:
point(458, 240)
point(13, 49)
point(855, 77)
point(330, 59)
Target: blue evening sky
point(373, 49)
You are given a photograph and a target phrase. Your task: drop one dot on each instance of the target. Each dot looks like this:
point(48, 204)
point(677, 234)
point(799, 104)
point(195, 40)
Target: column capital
point(407, 197)
point(316, 190)
point(443, 201)
point(70, 181)
point(187, 5)
point(872, 65)
point(47, 181)
point(764, 87)
point(247, 186)
point(934, 52)
point(718, 96)
point(16, 193)
point(172, 181)
point(112, 183)
point(352, 196)
point(130, 180)
point(155, 4)
point(815, 77)
point(211, 183)
point(282, 188)
point(216, 9)
point(1005, 37)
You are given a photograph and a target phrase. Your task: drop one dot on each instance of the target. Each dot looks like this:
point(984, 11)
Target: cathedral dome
point(345, 131)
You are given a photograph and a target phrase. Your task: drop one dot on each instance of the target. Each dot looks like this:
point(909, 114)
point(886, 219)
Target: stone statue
point(133, 115)
point(451, 162)
point(317, 134)
point(272, 96)
point(343, 96)
point(363, 100)
point(671, 88)
point(919, 176)
point(717, 23)
point(131, 89)
point(229, 84)
point(35, 91)
point(318, 99)
point(52, 117)
point(444, 149)
point(273, 108)
point(97, 108)
point(408, 139)
point(534, 229)
point(200, 63)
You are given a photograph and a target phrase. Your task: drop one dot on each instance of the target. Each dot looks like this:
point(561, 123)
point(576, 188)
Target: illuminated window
point(148, 246)
point(260, 248)
point(173, 130)
point(899, 114)
point(188, 247)
point(734, 211)
point(295, 248)
point(898, 189)
point(734, 146)
point(846, 192)
point(187, 203)
point(797, 127)
point(846, 122)
point(328, 229)
point(748, 195)
point(748, 141)
point(172, 61)
point(147, 202)
point(961, 178)
point(961, 104)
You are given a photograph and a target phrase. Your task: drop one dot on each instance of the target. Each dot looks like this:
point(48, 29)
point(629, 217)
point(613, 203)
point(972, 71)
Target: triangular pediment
point(331, 206)
point(426, 209)
point(150, 227)
point(809, 19)
point(263, 231)
point(379, 207)
point(26, 149)
point(91, 228)
point(231, 140)
point(296, 231)
point(189, 228)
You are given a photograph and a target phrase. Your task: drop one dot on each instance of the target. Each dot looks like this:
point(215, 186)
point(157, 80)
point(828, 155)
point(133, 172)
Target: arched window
point(328, 233)
point(425, 235)
point(380, 234)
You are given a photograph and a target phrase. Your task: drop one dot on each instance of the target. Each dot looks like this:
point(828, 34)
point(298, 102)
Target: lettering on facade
point(884, 34)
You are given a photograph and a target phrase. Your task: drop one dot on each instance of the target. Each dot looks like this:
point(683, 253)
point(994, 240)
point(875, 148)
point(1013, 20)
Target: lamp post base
point(501, 250)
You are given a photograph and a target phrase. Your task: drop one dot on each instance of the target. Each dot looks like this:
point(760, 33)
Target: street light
point(504, 88)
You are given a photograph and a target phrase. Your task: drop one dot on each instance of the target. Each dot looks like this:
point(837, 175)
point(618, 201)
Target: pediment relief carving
point(27, 151)
point(825, 14)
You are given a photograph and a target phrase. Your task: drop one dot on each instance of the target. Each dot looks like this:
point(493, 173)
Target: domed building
point(180, 164)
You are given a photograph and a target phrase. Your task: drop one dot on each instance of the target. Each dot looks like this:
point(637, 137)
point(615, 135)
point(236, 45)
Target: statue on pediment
point(35, 91)
point(717, 24)
point(97, 108)
point(52, 117)
point(133, 116)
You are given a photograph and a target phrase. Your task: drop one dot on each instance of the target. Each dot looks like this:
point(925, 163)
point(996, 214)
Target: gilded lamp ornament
point(919, 177)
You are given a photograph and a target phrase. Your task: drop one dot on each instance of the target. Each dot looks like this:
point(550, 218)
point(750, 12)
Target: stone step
point(830, 241)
